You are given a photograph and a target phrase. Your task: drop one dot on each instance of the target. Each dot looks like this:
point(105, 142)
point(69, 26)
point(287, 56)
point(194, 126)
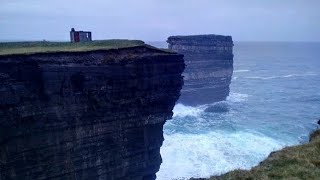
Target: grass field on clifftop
point(9, 48)
point(297, 162)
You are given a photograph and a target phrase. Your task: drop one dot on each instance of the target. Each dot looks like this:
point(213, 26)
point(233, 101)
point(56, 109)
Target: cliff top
point(208, 39)
point(214, 36)
point(9, 48)
point(201, 37)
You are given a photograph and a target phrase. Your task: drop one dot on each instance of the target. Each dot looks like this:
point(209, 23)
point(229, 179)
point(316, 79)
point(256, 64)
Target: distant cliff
point(86, 115)
point(209, 60)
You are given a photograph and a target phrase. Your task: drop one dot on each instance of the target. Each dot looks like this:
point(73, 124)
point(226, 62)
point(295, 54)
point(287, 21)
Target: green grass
point(9, 48)
point(297, 162)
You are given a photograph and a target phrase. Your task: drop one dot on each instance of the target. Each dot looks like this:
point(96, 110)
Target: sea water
point(274, 102)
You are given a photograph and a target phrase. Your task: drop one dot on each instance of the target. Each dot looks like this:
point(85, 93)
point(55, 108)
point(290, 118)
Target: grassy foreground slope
point(297, 162)
point(9, 48)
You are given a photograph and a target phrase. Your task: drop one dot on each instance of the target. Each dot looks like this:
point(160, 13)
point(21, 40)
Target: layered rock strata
point(86, 115)
point(209, 67)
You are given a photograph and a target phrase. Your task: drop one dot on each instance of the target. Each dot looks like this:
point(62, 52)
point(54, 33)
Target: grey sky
point(245, 20)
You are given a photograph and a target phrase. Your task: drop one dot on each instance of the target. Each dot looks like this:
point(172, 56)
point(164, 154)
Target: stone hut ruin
point(80, 36)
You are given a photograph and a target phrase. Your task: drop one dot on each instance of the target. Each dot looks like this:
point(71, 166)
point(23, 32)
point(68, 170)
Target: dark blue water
point(274, 102)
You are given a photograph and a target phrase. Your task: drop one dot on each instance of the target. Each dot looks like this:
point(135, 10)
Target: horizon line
point(252, 41)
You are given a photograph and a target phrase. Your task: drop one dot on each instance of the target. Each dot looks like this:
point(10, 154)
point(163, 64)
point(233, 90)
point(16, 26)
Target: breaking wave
point(181, 110)
point(216, 152)
point(237, 97)
point(195, 145)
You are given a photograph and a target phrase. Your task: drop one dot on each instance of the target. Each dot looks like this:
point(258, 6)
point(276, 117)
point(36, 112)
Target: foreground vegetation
point(297, 162)
point(8, 48)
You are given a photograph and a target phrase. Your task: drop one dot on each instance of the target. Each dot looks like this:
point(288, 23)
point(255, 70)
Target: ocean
point(274, 102)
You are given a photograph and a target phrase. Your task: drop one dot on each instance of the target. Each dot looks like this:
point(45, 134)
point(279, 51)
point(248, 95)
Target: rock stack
point(209, 67)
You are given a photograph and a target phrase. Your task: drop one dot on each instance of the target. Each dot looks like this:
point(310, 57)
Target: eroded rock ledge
point(209, 60)
point(86, 115)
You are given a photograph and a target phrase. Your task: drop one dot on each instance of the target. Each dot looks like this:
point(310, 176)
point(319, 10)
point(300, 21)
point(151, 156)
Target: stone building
point(80, 36)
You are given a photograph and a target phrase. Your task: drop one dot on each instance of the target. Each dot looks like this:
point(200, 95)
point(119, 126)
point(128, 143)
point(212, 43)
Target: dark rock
point(319, 122)
point(86, 115)
point(219, 107)
point(209, 69)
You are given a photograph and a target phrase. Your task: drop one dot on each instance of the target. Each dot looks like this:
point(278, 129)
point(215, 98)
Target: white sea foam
point(196, 145)
point(284, 76)
point(182, 110)
point(237, 97)
point(241, 70)
point(263, 78)
point(234, 77)
point(202, 155)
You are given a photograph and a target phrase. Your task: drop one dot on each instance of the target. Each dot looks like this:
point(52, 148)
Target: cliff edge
point(97, 114)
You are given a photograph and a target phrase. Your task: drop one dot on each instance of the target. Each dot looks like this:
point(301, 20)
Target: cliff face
point(86, 115)
point(209, 69)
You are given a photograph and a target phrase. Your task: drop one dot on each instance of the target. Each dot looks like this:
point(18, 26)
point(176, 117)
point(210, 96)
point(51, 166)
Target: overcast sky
point(155, 20)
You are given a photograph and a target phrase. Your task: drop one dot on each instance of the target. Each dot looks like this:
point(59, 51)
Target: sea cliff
point(96, 114)
point(209, 67)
